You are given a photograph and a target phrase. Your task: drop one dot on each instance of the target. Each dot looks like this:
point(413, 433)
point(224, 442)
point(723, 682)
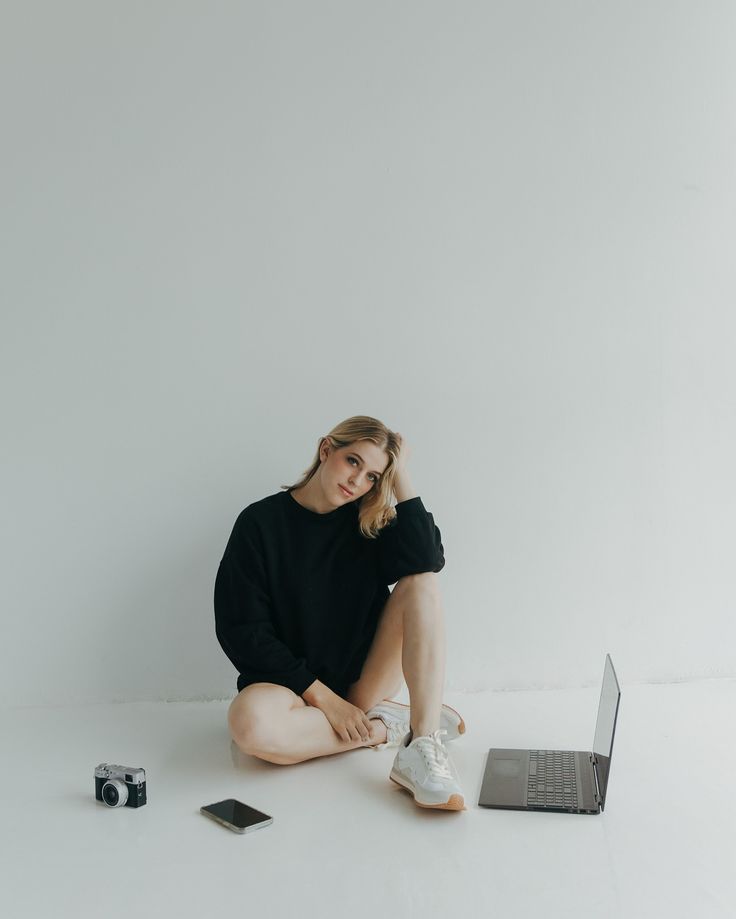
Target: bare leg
point(273, 723)
point(381, 677)
point(423, 653)
point(410, 636)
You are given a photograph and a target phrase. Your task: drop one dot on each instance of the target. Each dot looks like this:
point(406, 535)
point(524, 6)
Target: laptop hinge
point(594, 764)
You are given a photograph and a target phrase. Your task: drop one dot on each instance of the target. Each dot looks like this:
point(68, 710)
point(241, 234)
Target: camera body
point(120, 786)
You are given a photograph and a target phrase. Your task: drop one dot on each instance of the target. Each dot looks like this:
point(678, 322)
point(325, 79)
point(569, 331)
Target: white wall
point(506, 229)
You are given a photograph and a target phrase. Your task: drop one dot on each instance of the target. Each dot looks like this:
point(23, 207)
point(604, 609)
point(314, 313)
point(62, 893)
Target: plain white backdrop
point(505, 229)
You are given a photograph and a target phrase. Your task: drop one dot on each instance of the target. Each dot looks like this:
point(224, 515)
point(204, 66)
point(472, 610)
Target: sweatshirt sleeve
point(411, 544)
point(243, 622)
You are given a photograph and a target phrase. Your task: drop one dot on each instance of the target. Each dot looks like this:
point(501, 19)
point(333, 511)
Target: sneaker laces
point(435, 755)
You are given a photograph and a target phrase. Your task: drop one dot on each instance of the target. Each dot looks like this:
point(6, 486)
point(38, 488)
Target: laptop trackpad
point(505, 779)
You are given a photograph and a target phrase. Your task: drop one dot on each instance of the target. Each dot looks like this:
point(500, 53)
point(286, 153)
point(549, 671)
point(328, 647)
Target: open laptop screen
point(605, 726)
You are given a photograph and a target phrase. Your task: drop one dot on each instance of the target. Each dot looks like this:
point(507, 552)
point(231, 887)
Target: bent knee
point(248, 732)
point(426, 584)
point(252, 730)
point(253, 719)
point(259, 741)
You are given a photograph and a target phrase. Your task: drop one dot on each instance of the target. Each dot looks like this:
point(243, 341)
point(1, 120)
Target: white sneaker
point(395, 715)
point(424, 768)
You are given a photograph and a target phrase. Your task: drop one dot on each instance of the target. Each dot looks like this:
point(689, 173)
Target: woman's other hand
point(349, 722)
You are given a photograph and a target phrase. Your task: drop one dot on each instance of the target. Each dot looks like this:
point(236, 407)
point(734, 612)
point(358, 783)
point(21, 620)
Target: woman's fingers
point(351, 731)
point(355, 726)
point(358, 730)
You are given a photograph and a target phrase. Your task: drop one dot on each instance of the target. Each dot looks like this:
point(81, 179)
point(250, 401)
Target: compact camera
point(119, 786)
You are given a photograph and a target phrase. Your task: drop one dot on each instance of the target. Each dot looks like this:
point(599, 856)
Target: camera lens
point(115, 793)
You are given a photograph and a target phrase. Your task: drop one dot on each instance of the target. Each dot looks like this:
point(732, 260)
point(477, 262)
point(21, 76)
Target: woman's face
point(357, 468)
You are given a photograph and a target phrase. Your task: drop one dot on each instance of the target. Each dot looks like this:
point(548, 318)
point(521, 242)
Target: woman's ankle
point(424, 730)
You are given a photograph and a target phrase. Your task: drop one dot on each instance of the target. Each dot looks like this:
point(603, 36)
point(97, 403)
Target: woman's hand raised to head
point(402, 486)
point(404, 451)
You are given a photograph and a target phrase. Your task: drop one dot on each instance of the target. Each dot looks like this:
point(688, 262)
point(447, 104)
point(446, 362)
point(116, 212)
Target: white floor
point(346, 841)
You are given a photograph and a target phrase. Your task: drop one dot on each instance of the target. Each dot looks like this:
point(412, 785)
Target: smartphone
point(236, 816)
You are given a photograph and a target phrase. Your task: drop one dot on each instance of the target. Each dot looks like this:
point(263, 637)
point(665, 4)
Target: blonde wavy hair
point(375, 509)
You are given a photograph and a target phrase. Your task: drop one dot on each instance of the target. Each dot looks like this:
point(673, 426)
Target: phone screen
point(236, 813)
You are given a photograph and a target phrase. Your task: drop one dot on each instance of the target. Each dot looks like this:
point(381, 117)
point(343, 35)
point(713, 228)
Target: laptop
point(563, 781)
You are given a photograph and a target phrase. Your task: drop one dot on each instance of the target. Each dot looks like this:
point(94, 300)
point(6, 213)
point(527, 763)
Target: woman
point(303, 611)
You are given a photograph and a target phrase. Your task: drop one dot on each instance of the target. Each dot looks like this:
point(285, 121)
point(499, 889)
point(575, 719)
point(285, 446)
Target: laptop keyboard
point(551, 780)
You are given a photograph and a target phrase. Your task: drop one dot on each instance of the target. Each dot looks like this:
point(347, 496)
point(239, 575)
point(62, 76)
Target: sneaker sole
point(454, 803)
point(459, 723)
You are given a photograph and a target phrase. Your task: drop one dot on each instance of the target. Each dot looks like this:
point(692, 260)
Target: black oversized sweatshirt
point(298, 594)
